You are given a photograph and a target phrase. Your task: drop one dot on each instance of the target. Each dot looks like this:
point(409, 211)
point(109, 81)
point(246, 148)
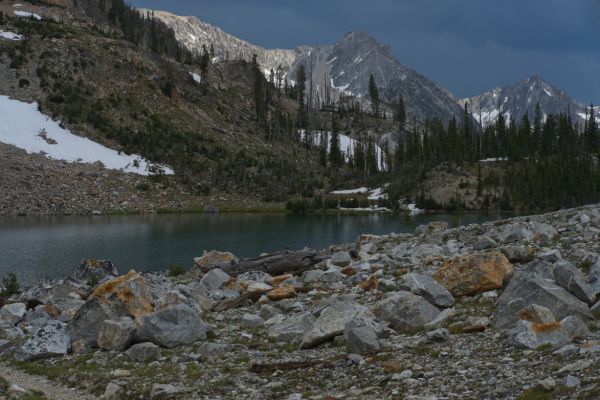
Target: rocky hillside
point(91, 80)
point(515, 101)
point(503, 310)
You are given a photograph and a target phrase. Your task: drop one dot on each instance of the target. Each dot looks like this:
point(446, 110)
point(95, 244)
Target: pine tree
point(259, 99)
point(323, 147)
point(400, 112)
point(300, 91)
point(538, 122)
point(204, 62)
point(374, 95)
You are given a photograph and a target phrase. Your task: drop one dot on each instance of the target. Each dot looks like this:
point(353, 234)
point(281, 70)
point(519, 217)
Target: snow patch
point(26, 14)
point(23, 126)
point(351, 191)
point(196, 77)
point(497, 159)
point(347, 146)
point(11, 36)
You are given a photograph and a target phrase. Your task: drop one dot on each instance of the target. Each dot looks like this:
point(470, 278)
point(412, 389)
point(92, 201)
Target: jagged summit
point(519, 99)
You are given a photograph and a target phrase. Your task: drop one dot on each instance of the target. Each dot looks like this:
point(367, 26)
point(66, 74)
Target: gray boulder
point(550, 255)
point(97, 270)
point(526, 289)
point(13, 313)
point(515, 233)
point(37, 317)
point(251, 321)
point(173, 326)
point(331, 276)
point(427, 287)
point(341, 258)
point(399, 251)
point(361, 336)
point(517, 254)
point(484, 243)
point(85, 324)
point(213, 350)
point(49, 341)
point(433, 226)
point(427, 250)
point(117, 334)
point(439, 335)
point(291, 329)
point(532, 335)
point(163, 391)
point(539, 268)
point(142, 352)
point(332, 321)
point(405, 311)
point(594, 272)
point(312, 276)
point(215, 279)
point(570, 278)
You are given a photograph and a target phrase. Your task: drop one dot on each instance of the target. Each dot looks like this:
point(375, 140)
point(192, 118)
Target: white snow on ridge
point(11, 36)
point(26, 14)
point(23, 126)
point(351, 191)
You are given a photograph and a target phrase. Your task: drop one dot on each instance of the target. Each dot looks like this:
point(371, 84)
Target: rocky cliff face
point(515, 101)
point(193, 34)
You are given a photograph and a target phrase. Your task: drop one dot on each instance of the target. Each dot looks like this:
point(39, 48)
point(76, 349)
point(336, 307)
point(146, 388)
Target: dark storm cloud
point(468, 46)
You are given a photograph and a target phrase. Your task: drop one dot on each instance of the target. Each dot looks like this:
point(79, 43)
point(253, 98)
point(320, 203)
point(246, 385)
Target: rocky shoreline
point(502, 310)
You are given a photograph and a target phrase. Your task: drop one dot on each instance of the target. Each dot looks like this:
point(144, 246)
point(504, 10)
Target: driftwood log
point(283, 262)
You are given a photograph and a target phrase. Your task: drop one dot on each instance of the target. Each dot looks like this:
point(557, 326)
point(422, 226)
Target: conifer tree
point(300, 91)
point(400, 112)
point(374, 95)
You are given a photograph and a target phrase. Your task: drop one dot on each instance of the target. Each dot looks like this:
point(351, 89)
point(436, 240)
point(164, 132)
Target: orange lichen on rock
point(474, 273)
point(130, 290)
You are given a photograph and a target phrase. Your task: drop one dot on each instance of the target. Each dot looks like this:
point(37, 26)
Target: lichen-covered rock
point(215, 279)
point(405, 311)
point(341, 258)
point(332, 320)
point(282, 292)
point(48, 341)
point(173, 326)
point(361, 336)
point(291, 329)
point(13, 313)
point(95, 270)
point(571, 278)
point(537, 327)
point(129, 292)
point(525, 290)
point(431, 227)
point(431, 290)
point(143, 352)
point(116, 334)
point(215, 257)
point(474, 273)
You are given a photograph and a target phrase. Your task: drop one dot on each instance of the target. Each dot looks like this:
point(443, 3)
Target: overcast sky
point(467, 46)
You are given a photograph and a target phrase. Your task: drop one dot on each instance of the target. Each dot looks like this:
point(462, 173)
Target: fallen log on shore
point(279, 263)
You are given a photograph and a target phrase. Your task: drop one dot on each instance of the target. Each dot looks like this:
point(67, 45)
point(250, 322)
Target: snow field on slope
point(23, 126)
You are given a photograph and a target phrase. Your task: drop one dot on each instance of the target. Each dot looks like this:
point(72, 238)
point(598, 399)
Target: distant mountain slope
point(514, 101)
point(341, 68)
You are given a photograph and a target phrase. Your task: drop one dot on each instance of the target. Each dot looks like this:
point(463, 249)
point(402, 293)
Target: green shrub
point(176, 270)
point(11, 285)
